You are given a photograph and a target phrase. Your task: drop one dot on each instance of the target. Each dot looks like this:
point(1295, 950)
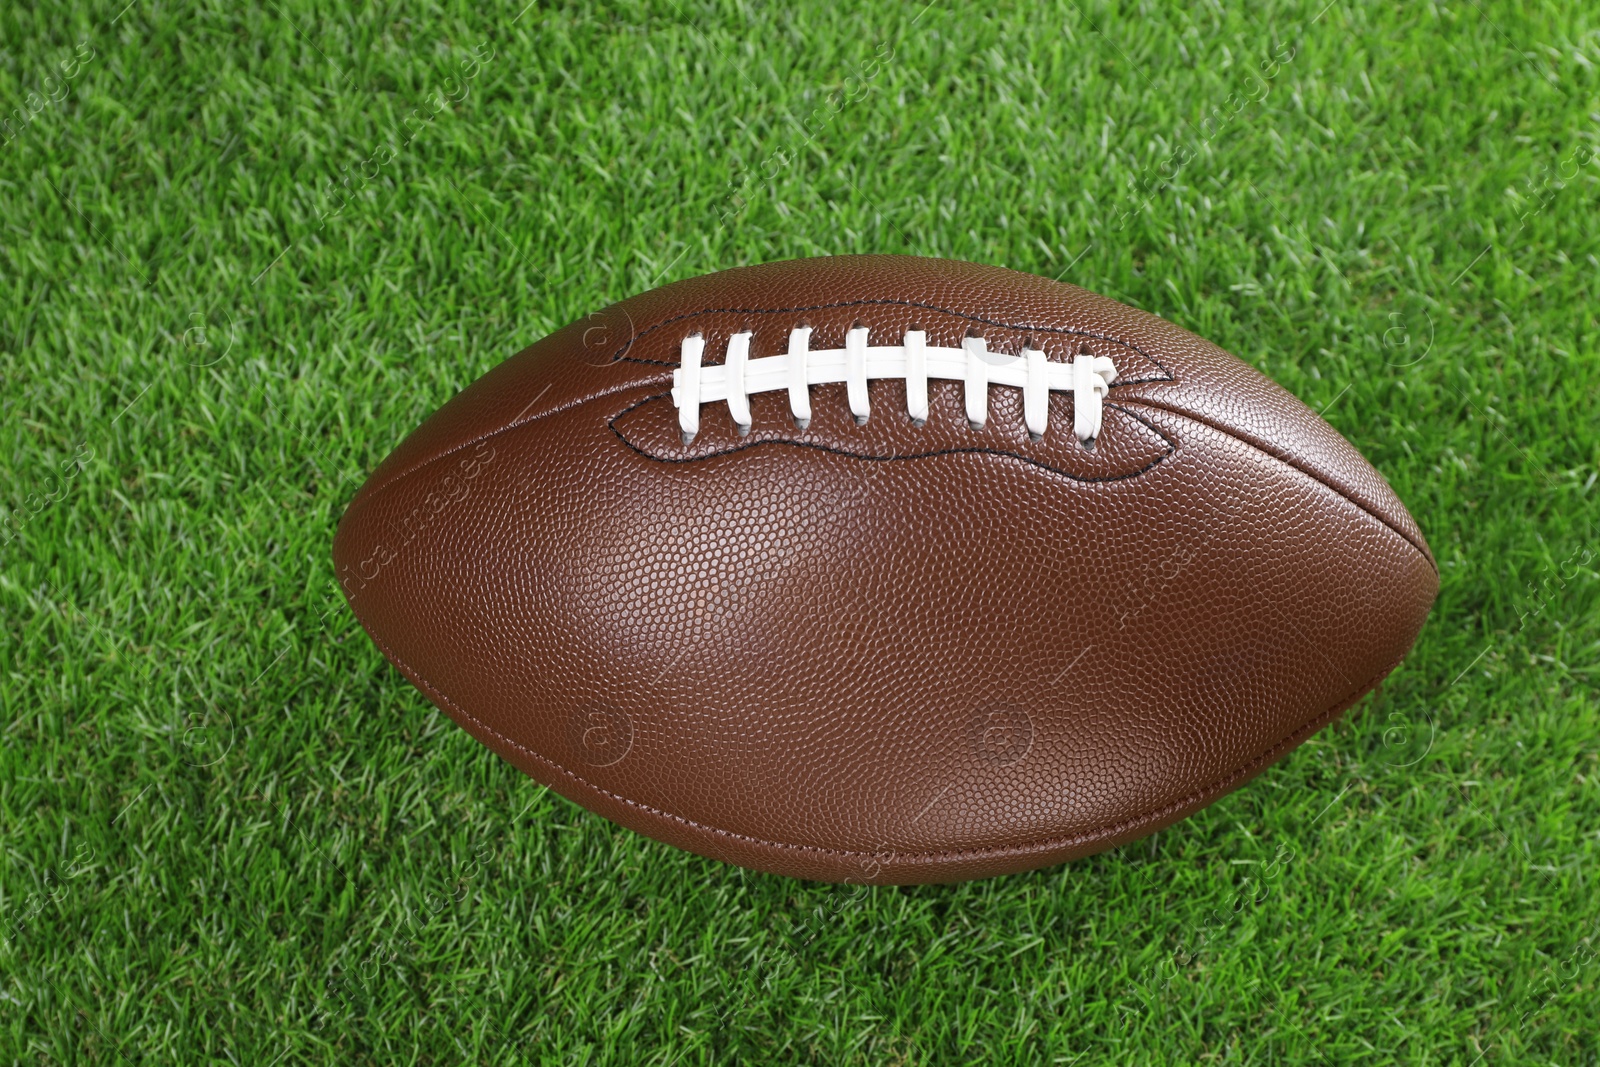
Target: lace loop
point(1087, 377)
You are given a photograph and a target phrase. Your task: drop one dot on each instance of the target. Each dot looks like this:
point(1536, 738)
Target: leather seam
point(368, 494)
point(1172, 447)
point(618, 356)
point(1243, 770)
point(1292, 464)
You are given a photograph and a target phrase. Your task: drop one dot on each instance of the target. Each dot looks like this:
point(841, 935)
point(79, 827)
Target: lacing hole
point(801, 424)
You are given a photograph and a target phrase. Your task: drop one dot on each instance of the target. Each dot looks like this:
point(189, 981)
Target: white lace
point(1087, 377)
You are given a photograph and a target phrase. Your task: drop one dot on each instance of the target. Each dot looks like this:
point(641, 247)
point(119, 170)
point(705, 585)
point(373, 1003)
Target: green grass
point(233, 834)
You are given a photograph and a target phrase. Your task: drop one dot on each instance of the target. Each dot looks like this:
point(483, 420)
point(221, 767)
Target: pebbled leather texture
point(884, 653)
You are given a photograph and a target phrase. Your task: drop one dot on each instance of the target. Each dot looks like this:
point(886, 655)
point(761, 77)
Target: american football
point(883, 569)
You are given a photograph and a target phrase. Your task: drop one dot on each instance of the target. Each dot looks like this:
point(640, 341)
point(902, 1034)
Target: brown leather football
point(884, 569)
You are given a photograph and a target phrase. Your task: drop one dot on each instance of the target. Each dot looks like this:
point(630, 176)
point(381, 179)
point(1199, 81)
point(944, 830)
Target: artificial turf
point(246, 249)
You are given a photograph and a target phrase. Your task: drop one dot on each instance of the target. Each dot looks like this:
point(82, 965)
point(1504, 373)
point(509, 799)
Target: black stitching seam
point(368, 495)
point(368, 492)
point(618, 354)
point(1237, 773)
point(1293, 462)
point(1172, 446)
